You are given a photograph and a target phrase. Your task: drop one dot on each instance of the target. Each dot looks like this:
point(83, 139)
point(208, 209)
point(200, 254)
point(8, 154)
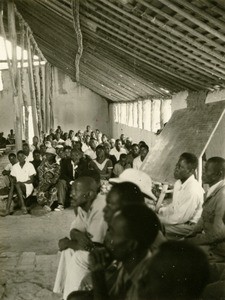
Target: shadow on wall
point(76, 106)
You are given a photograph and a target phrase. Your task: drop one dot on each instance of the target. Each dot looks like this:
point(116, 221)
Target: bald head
point(84, 192)
point(88, 183)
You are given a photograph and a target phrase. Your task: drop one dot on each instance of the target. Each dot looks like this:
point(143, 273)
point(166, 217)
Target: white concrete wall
point(76, 106)
point(136, 134)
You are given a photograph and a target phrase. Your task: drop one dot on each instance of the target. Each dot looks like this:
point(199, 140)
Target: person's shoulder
point(136, 159)
point(15, 166)
point(29, 164)
point(108, 161)
point(99, 202)
point(221, 188)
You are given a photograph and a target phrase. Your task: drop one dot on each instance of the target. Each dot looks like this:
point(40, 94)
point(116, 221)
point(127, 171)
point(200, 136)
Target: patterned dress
point(48, 177)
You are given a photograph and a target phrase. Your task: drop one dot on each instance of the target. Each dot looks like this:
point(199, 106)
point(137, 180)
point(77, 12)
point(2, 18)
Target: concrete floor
point(29, 252)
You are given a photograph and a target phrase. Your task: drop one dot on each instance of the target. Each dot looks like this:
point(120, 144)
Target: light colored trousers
point(73, 267)
point(178, 231)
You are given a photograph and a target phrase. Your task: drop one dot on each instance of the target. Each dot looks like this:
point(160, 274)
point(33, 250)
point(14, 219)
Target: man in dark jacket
point(68, 173)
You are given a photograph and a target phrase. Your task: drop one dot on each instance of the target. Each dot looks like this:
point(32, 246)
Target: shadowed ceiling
point(134, 48)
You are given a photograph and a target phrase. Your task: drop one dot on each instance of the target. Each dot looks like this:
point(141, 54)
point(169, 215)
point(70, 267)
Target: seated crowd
point(121, 245)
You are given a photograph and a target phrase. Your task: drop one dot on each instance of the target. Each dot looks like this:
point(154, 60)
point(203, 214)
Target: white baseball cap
point(140, 178)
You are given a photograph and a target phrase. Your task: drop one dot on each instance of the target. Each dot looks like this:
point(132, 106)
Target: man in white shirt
point(183, 213)
point(85, 145)
point(27, 152)
point(87, 230)
point(60, 153)
point(118, 150)
point(58, 139)
point(23, 174)
point(91, 150)
point(137, 162)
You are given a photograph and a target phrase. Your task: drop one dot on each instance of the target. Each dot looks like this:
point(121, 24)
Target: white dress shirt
point(186, 205)
point(89, 152)
point(116, 153)
point(23, 174)
point(93, 220)
point(29, 158)
point(137, 163)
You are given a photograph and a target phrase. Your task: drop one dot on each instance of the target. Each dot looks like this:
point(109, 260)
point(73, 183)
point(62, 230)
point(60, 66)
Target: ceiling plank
point(159, 48)
point(194, 20)
point(167, 31)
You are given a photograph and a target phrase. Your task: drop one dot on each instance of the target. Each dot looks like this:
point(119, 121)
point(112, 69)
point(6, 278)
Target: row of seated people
point(187, 217)
point(117, 246)
point(6, 141)
point(54, 169)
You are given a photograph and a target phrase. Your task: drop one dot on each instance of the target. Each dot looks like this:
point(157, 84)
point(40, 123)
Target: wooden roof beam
point(171, 64)
point(203, 13)
point(133, 91)
point(160, 48)
point(152, 63)
point(176, 41)
point(160, 77)
point(99, 86)
point(164, 78)
point(105, 80)
point(127, 76)
point(160, 54)
point(107, 84)
point(180, 24)
point(195, 21)
point(174, 34)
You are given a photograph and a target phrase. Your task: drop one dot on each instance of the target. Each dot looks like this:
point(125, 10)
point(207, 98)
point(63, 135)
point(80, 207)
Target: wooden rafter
point(152, 63)
point(196, 21)
point(202, 13)
point(161, 55)
point(164, 29)
point(158, 48)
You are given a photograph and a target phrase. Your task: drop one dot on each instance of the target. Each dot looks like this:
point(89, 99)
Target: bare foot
point(24, 210)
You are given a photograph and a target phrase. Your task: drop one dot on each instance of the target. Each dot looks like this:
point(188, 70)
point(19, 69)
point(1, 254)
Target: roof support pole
point(51, 97)
point(14, 74)
point(24, 96)
point(31, 85)
point(47, 108)
point(42, 98)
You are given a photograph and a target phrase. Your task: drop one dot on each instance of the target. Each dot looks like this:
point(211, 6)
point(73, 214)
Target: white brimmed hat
point(59, 146)
point(51, 151)
point(141, 179)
